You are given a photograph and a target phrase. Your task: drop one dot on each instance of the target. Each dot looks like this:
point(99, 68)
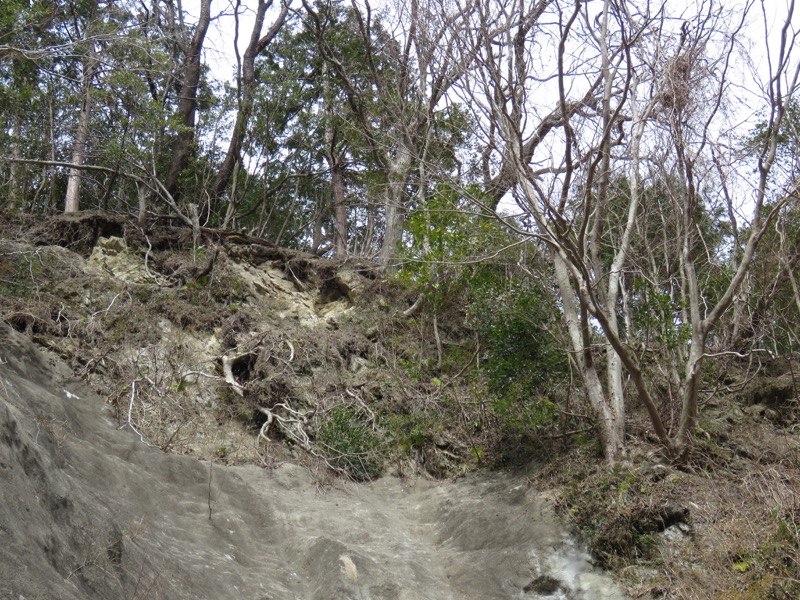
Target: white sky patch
point(219, 52)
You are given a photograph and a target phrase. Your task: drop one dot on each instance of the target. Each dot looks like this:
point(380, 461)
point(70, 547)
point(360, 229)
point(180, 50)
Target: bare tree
point(335, 157)
point(408, 96)
point(246, 89)
point(619, 104)
point(89, 65)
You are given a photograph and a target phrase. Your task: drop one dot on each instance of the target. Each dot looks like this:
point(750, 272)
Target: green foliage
point(655, 317)
point(351, 444)
point(411, 431)
point(523, 426)
point(522, 364)
point(510, 313)
point(445, 237)
point(16, 276)
point(772, 302)
point(521, 359)
point(787, 155)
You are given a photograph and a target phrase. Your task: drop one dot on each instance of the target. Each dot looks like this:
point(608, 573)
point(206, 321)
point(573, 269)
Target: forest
point(611, 185)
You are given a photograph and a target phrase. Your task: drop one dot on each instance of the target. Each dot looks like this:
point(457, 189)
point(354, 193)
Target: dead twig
point(157, 280)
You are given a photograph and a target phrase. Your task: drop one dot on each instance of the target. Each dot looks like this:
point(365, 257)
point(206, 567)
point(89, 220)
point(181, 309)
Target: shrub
point(351, 445)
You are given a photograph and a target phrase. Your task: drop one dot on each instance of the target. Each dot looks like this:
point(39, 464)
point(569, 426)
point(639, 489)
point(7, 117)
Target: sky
point(219, 51)
point(749, 72)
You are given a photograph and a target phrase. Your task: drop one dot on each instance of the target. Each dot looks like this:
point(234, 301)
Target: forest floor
point(229, 350)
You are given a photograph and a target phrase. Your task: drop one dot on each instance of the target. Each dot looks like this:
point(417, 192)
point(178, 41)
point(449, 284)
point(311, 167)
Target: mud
point(88, 510)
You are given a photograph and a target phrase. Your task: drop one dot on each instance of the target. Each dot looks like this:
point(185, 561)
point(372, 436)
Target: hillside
point(186, 417)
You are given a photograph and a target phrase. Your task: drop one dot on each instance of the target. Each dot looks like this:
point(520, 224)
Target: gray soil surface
point(90, 511)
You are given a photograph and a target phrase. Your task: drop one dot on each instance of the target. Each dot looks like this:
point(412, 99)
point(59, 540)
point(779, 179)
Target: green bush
point(351, 445)
point(521, 359)
point(411, 431)
point(523, 427)
point(522, 366)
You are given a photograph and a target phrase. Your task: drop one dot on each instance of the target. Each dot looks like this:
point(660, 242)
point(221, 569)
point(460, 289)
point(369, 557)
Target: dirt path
point(89, 511)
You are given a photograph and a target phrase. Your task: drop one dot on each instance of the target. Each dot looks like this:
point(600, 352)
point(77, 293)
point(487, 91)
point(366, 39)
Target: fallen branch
point(295, 280)
point(414, 308)
point(147, 268)
point(291, 350)
point(362, 406)
point(202, 374)
point(104, 310)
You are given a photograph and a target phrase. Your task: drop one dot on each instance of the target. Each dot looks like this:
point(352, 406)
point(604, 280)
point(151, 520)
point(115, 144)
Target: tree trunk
point(395, 206)
point(15, 199)
point(141, 192)
point(247, 90)
point(73, 195)
point(610, 423)
point(340, 209)
point(187, 107)
point(369, 230)
point(334, 157)
point(689, 408)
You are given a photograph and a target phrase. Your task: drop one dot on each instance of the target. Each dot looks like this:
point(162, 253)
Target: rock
point(112, 245)
point(111, 256)
point(544, 584)
point(350, 284)
point(756, 410)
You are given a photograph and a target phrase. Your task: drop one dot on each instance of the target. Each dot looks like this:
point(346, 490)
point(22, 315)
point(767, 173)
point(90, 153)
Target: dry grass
point(742, 493)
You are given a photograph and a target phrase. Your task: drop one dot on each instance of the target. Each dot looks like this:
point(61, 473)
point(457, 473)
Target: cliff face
point(89, 510)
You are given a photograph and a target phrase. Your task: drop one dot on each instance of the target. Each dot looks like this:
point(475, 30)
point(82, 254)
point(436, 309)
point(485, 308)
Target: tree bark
point(334, 155)
point(15, 199)
point(187, 106)
point(73, 195)
point(339, 208)
point(247, 90)
point(610, 421)
point(394, 205)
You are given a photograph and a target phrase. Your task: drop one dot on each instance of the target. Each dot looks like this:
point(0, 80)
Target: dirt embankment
point(91, 511)
point(231, 349)
point(306, 375)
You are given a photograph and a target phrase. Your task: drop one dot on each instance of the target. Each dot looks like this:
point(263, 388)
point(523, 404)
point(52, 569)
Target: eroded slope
point(88, 510)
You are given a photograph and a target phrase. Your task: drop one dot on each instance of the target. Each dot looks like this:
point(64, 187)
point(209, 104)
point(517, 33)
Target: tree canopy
point(590, 157)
